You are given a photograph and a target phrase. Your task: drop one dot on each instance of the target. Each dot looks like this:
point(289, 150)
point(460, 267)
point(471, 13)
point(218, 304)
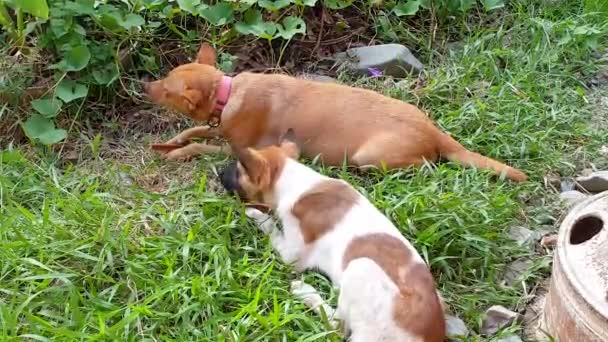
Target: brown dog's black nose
point(145, 81)
point(146, 78)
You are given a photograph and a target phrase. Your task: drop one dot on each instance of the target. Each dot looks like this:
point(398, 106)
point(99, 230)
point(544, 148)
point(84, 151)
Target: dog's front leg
point(195, 149)
point(288, 253)
point(192, 150)
point(203, 132)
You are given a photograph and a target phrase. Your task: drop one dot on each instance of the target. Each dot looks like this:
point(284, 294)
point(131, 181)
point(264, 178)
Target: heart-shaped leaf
point(292, 26)
point(48, 107)
point(76, 59)
point(227, 62)
point(131, 20)
point(36, 125)
point(69, 90)
point(410, 7)
point(275, 5)
point(38, 8)
point(79, 29)
point(53, 136)
point(255, 25)
point(218, 14)
point(106, 75)
point(188, 5)
point(59, 27)
point(251, 24)
point(110, 21)
point(493, 4)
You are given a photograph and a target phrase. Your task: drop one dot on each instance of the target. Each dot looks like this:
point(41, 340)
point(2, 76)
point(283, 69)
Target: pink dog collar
point(222, 93)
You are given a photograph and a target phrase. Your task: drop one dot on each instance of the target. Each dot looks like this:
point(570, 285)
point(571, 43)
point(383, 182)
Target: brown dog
point(330, 120)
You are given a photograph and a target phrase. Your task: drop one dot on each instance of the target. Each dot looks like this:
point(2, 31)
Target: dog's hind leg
point(366, 302)
point(390, 151)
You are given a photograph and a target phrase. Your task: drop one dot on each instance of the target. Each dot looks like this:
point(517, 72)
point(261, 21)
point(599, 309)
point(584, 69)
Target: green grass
point(135, 248)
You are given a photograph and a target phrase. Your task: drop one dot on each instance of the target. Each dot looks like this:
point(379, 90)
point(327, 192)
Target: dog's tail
point(454, 151)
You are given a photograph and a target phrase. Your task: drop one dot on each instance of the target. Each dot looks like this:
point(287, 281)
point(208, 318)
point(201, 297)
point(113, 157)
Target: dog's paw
point(177, 155)
point(256, 214)
point(312, 299)
point(306, 293)
point(301, 289)
point(264, 221)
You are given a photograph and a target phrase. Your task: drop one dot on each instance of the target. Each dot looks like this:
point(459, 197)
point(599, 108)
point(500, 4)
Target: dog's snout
point(229, 177)
point(145, 81)
point(146, 78)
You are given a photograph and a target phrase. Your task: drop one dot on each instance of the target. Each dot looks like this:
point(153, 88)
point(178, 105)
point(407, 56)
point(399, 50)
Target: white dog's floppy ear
point(289, 145)
point(254, 164)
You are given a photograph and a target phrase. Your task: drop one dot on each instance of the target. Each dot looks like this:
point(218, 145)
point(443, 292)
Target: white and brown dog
point(387, 292)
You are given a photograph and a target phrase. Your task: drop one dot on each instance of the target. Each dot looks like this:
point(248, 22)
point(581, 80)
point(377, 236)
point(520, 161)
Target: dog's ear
point(206, 55)
point(289, 145)
point(254, 164)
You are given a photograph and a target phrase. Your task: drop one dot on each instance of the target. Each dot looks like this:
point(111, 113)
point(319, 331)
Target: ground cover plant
point(102, 240)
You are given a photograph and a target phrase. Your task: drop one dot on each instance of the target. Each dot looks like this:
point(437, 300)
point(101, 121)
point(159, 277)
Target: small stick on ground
point(320, 34)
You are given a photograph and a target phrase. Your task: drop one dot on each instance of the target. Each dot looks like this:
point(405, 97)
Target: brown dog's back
point(336, 121)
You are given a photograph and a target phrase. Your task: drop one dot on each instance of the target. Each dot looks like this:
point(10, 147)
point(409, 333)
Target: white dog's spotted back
point(386, 290)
